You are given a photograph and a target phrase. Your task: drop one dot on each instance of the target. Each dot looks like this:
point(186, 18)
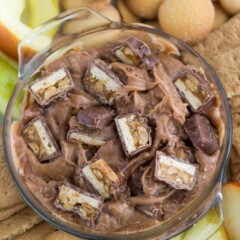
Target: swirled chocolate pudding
point(120, 137)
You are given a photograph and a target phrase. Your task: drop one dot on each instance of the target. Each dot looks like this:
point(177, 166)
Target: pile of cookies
point(189, 20)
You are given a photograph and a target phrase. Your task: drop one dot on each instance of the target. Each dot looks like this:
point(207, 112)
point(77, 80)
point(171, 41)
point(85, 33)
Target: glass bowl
point(37, 49)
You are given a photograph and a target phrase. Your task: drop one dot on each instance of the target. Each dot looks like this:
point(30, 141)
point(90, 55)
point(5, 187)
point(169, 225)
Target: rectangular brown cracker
point(8, 212)
point(9, 195)
point(38, 232)
point(18, 223)
point(60, 235)
point(222, 39)
point(227, 67)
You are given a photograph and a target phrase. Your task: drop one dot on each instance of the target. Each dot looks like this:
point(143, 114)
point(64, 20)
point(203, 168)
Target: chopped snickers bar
point(40, 139)
point(52, 86)
point(85, 135)
point(102, 178)
point(202, 134)
point(80, 202)
point(101, 82)
point(195, 90)
point(176, 173)
point(135, 52)
point(95, 117)
point(134, 133)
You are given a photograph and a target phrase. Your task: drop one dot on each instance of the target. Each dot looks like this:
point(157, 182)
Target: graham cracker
point(60, 235)
point(8, 192)
point(8, 212)
point(227, 67)
point(18, 223)
point(38, 232)
point(224, 38)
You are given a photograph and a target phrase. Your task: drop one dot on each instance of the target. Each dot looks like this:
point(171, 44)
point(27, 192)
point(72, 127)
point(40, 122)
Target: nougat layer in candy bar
point(176, 173)
point(40, 139)
point(95, 117)
point(135, 52)
point(101, 82)
point(102, 178)
point(52, 86)
point(81, 136)
point(195, 90)
point(201, 133)
point(73, 199)
point(134, 133)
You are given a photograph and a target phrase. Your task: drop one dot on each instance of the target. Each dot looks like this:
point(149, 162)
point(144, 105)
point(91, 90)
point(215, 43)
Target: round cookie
point(127, 16)
point(144, 9)
point(220, 16)
point(230, 6)
point(189, 20)
point(112, 13)
point(97, 5)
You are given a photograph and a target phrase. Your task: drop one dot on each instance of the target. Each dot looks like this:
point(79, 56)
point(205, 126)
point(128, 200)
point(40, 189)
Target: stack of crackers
point(221, 49)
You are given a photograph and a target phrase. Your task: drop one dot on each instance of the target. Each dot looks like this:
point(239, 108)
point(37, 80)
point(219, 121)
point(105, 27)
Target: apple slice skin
point(231, 209)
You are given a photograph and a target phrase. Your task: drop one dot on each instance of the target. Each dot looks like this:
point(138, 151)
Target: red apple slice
point(12, 29)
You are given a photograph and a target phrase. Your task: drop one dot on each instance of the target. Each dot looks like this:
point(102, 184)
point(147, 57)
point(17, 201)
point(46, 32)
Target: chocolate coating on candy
point(52, 86)
point(40, 139)
point(134, 133)
point(135, 52)
point(202, 134)
point(73, 199)
point(102, 178)
point(176, 173)
point(195, 90)
point(95, 117)
point(101, 82)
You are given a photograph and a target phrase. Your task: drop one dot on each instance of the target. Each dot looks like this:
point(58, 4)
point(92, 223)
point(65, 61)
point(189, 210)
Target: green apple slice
point(205, 227)
point(219, 235)
point(50, 8)
point(8, 79)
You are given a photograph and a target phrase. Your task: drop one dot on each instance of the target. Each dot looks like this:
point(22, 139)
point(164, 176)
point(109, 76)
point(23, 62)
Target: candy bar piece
point(102, 178)
point(195, 90)
point(202, 134)
point(134, 133)
point(176, 173)
point(101, 82)
point(40, 139)
point(86, 136)
point(54, 85)
point(95, 117)
point(80, 202)
point(135, 52)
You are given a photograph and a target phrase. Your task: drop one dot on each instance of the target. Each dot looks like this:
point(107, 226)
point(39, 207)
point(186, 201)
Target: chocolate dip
point(118, 138)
